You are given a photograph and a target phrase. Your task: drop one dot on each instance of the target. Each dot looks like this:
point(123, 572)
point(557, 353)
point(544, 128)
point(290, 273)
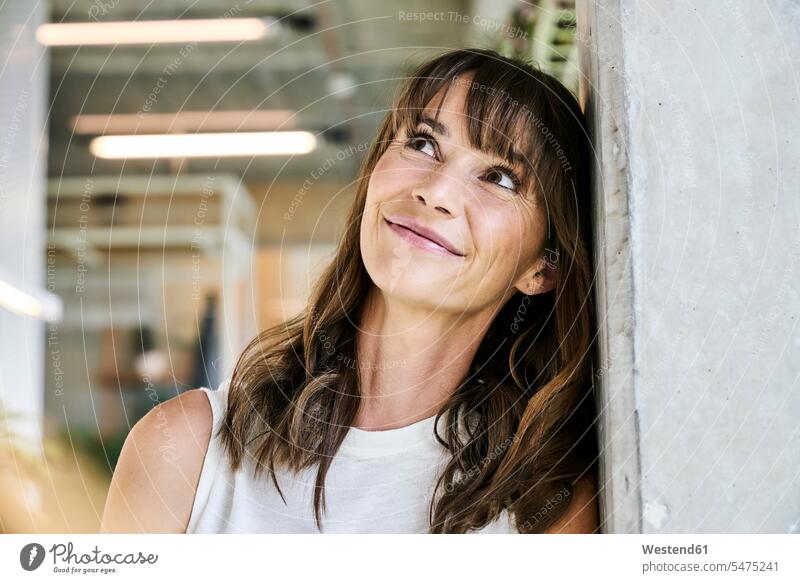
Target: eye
point(503, 177)
point(422, 142)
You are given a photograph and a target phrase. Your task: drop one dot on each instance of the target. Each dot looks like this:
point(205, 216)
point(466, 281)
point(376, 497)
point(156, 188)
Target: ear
point(539, 279)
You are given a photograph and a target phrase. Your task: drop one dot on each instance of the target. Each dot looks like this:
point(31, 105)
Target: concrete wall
point(696, 111)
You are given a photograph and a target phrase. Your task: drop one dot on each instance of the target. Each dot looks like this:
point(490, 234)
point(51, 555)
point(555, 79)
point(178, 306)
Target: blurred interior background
point(143, 243)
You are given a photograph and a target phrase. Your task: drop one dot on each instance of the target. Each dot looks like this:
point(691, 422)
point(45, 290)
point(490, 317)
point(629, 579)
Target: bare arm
point(156, 477)
point(581, 515)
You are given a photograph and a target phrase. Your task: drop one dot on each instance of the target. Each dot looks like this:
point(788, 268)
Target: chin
point(413, 282)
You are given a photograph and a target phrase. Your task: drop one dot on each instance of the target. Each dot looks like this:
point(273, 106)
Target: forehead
point(486, 118)
point(448, 109)
point(449, 104)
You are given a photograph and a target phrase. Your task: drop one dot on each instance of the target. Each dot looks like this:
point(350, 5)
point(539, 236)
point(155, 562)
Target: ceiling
point(362, 40)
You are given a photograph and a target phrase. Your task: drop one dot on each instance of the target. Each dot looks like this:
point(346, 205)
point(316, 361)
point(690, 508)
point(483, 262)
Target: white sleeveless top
point(379, 482)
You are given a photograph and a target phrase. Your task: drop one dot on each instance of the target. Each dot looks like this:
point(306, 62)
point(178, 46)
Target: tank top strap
point(218, 399)
point(213, 467)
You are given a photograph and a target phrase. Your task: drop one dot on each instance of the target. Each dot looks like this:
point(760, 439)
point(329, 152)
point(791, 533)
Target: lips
point(419, 230)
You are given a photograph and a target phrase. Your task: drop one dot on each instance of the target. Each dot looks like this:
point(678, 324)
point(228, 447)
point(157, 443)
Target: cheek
point(379, 189)
point(386, 182)
point(506, 239)
point(392, 174)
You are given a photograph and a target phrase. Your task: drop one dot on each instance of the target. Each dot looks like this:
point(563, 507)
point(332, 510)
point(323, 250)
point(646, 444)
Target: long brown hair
point(295, 392)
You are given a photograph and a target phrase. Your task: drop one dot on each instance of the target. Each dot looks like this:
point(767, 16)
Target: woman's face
point(431, 184)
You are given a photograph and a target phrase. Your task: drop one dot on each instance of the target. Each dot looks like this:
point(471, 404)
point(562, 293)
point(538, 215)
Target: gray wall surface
point(696, 112)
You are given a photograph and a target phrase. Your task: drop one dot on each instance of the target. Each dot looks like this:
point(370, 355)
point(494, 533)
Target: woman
point(440, 379)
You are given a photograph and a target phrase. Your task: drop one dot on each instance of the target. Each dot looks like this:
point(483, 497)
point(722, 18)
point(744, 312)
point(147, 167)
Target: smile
point(421, 241)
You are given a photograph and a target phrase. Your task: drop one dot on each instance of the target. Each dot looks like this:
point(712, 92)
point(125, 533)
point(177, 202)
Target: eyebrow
point(515, 157)
point(437, 126)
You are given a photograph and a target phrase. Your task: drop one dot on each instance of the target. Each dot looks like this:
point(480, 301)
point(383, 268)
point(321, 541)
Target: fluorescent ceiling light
point(182, 121)
point(203, 145)
point(154, 31)
point(42, 305)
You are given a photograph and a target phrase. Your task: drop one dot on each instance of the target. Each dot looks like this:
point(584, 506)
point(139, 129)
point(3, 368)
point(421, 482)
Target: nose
point(442, 190)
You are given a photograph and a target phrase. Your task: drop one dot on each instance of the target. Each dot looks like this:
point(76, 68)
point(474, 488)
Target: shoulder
point(156, 476)
point(581, 516)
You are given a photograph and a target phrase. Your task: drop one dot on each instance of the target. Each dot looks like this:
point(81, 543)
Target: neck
point(411, 360)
